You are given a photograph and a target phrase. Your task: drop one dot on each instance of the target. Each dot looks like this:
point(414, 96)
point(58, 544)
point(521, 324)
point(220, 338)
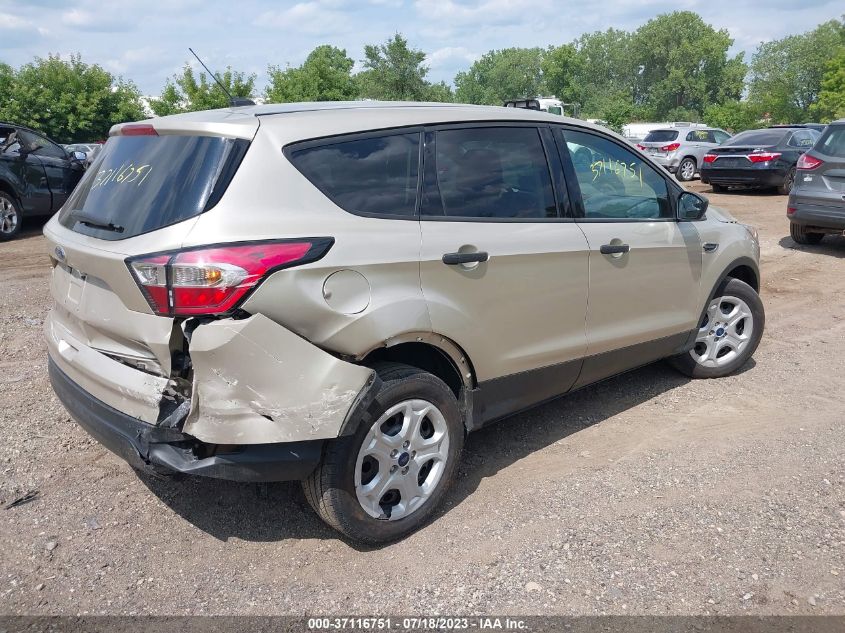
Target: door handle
point(451, 259)
point(613, 249)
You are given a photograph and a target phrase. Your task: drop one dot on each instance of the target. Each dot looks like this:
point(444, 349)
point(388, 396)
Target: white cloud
point(319, 17)
point(449, 56)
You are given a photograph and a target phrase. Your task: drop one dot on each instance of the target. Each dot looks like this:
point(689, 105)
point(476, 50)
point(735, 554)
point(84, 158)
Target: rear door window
point(488, 173)
point(803, 139)
point(139, 184)
point(373, 175)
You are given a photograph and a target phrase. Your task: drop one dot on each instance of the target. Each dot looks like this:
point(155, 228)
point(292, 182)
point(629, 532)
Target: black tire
point(10, 217)
point(788, 181)
point(718, 188)
point(330, 489)
point(800, 234)
point(730, 287)
point(679, 173)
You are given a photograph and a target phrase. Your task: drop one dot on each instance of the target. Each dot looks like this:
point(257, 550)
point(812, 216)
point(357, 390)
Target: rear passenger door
point(645, 267)
point(503, 269)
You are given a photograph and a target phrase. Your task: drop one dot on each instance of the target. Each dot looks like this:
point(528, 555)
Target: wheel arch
point(7, 187)
point(431, 352)
point(743, 268)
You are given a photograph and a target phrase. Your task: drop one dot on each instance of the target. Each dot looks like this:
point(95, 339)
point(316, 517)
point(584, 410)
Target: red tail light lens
point(763, 157)
point(709, 158)
point(805, 161)
point(640, 147)
point(138, 129)
point(671, 147)
point(215, 279)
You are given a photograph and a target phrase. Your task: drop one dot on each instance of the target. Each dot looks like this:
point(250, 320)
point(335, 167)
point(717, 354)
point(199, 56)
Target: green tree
point(68, 100)
point(326, 75)
point(831, 102)
point(561, 68)
point(440, 92)
point(510, 73)
point(393, 72)
point(734, 116)
point(683, 62)
point(606, 74)
point(187, 93)
point(786, 74)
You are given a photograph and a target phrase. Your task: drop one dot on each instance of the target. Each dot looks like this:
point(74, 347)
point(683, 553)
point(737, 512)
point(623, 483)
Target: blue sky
point(147, 41)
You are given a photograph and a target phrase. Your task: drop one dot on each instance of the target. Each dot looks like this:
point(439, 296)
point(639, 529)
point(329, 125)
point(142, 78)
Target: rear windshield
point(758, 137)
point(375, 175)
point(832, 142)
point(138, 184)
point(660, 136)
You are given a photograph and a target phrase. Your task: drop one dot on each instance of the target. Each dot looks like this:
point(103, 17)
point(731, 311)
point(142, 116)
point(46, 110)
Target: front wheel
point(728, 334)
point(387, 479)
point(686, 169)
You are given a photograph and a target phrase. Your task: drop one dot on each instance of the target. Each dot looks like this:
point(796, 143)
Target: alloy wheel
point(724, 333)
point(687, 170)
point(8, 217)
point(401, 460)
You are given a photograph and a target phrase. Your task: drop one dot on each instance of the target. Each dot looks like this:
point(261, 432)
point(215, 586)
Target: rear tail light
point(137, 129)
point(790, 210)
point(213, 280)
point(640, 147)
point(709, 158)
point(671, 147)
point(805, 161)
point(763, 157)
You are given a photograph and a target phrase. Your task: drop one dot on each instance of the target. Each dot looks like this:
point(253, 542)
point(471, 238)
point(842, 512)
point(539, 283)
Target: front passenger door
point(645, 267)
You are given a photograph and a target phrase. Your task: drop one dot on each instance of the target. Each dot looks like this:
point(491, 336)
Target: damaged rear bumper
point(156, 448)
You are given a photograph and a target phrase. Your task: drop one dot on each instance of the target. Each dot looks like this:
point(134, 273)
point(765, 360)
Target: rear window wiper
point(94, 223)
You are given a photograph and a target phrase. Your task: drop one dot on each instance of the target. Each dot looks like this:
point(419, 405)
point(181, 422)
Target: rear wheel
point(728, 334)
point(686, 169)
point(10, 217)
point(800, 234)
point(788, 181)
point(387, 479)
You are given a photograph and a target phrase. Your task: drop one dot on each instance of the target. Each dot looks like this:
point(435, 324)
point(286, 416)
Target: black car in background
point(36, 176)
point(817, 201)
point(758, 158)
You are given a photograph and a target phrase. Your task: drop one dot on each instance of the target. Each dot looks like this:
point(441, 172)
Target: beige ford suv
point(337, 293)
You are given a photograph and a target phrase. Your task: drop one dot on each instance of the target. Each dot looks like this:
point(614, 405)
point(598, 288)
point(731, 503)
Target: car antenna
point(233, 101)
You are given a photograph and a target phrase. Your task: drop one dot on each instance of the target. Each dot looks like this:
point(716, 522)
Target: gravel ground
point(646, 494)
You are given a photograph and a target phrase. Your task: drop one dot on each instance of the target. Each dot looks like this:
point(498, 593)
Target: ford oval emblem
point(60, 253)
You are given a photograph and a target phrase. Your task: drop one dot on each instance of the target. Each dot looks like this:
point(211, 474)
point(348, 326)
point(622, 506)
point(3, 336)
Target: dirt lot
point(645, 494)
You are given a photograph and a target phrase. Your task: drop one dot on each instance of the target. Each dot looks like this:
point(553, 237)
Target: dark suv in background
point(817, 201)
point(758, 158)
point(36, 176)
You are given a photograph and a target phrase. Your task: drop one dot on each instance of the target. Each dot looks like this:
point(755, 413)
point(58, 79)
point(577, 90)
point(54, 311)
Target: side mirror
point(691, 206)
point(79, 156)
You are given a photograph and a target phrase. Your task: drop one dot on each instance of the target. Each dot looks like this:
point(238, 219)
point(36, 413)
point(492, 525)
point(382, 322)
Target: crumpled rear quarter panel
point(256, 382)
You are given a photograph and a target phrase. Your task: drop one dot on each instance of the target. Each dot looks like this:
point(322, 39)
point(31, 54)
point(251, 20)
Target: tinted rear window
point(144, 183)
point(832, 142)
point(372, 175)
point(758, 137)
point(660, 136)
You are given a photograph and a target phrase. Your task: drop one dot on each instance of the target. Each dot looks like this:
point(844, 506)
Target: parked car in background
point(36, 176)
point(818, 127)
point(681, 150)
point(817, 201)
point(314, 291)
point(89, 149)
point(636, 132)
point(758, 158)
